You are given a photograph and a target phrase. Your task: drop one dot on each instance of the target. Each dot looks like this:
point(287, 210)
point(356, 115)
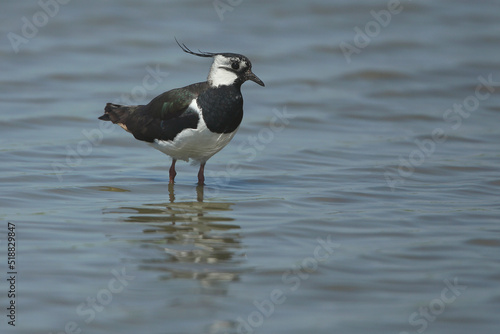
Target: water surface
point(360, 194)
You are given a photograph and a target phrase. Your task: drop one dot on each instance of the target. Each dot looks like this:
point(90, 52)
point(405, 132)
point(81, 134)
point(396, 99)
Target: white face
point(225, 70)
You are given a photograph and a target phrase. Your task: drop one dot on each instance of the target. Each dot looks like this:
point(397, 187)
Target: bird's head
point(227, 68)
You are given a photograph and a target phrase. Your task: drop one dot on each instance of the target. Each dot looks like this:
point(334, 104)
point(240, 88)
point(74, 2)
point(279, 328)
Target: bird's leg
point(172, 173)
point(201, 176)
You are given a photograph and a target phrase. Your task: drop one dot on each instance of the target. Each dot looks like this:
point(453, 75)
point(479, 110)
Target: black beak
point(250, 76)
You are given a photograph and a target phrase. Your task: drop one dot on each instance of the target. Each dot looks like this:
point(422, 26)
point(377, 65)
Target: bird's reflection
point(199, 193)
point(195, 239)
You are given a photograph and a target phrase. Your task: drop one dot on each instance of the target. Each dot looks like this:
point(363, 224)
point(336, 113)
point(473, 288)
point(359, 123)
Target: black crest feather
point(199, 53)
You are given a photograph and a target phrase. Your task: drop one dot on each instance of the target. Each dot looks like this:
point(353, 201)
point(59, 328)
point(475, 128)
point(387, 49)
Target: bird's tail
point(114, 113)
point(118, 114)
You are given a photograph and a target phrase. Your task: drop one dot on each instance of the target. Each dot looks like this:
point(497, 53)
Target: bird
point(194, 122)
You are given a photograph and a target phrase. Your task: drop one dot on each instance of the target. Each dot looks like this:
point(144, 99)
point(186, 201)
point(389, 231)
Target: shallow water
point(360, 194)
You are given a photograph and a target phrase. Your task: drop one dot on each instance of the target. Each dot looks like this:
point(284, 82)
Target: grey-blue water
point(360, 195)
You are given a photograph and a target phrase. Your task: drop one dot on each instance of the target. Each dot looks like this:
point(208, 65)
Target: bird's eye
point(235, 65)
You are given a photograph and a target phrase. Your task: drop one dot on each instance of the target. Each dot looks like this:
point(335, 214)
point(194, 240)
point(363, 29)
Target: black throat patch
point(222, 108)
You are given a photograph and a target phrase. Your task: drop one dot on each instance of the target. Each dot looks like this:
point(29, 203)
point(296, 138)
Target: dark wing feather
point(143, 127)
point(162, 118)
point(173, 103)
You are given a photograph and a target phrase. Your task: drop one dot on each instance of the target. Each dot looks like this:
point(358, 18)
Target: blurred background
point(360, 194)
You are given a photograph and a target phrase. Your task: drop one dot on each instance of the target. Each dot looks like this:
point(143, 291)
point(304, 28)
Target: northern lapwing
point(192, 122)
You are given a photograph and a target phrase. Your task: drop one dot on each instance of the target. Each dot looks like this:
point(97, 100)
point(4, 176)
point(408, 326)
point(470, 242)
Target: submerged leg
point(172, 173)
point(201, 176)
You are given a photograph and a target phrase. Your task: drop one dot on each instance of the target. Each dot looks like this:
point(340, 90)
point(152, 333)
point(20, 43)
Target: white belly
point(197, 144)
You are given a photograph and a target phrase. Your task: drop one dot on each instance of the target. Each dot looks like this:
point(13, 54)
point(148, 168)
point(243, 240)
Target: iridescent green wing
point(173, 103)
